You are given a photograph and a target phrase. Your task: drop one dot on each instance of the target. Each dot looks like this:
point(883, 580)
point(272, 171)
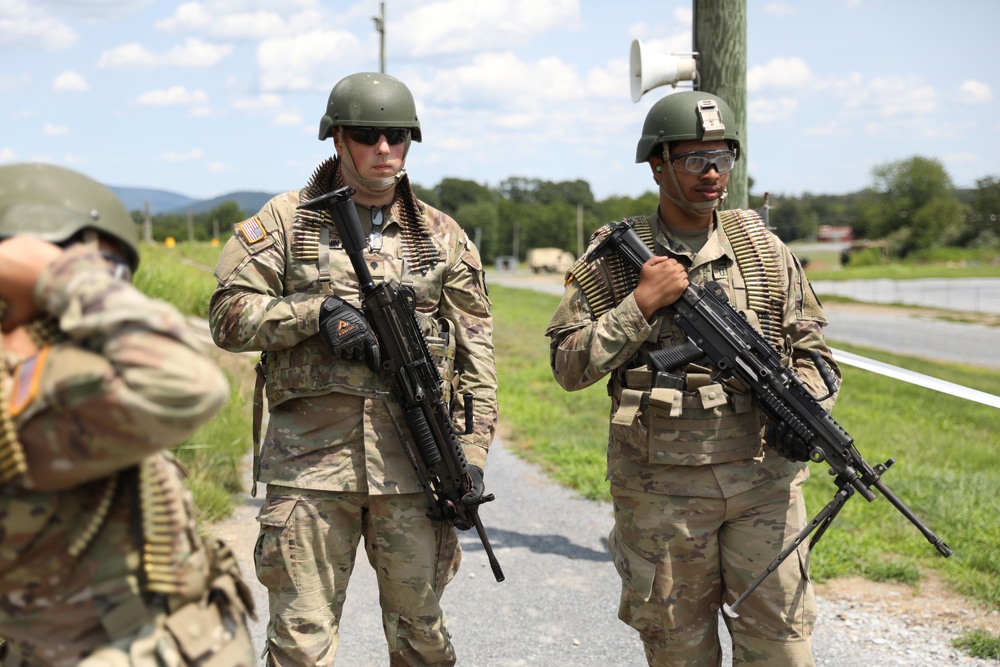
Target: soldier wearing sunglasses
point(705, 494)
point(331, 457)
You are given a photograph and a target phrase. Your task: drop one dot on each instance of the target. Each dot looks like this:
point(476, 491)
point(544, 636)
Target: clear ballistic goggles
point(369, 136)
point(698, 162)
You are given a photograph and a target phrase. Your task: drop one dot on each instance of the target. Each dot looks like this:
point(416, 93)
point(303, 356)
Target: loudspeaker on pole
point(649, 69)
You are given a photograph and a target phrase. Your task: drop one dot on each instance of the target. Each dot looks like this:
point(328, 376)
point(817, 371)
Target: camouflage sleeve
point(803, 327)
point(249, 310)
point(130, 379)
point(465, 301)
point(583, 350)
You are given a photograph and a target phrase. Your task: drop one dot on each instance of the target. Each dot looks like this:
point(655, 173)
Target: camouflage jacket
point(703, 441)
point(333, 424)
point(92, 412)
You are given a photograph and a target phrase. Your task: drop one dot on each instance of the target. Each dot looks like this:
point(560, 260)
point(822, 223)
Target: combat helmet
point(370, 99)
point(687, 116)
point(55, 204)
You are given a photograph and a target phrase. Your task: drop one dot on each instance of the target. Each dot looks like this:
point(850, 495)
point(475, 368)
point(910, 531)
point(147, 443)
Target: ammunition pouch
point(700, 422)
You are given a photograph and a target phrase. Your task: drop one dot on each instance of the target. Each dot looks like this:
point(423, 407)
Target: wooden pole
point(720, 38)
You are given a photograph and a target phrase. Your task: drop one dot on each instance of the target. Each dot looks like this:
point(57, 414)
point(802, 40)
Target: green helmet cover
point(54, 204)
point(690, 115)
point(370, 99)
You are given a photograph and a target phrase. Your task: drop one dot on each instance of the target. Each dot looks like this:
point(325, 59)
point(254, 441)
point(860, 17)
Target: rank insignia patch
point(252, 230)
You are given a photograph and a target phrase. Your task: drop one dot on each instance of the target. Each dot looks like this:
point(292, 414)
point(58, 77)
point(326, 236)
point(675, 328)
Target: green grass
point(945, 449)
point(182, 276)
point(979, 644)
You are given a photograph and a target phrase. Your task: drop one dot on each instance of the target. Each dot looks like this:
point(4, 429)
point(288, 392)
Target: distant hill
point(162, 201)
point(249, 203)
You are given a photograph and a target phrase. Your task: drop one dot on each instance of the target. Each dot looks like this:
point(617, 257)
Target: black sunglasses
point(369, 136)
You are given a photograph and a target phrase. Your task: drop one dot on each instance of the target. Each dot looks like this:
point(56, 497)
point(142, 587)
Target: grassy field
point(945, 450)
point(183, 277)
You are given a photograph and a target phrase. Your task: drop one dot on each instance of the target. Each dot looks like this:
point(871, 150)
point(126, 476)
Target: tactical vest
point(316, 262)
point(692, 419)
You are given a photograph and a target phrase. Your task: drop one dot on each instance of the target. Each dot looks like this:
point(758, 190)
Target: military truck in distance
point(550, 260)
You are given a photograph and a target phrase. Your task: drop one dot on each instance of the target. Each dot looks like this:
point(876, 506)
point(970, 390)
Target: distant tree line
point(912, 205)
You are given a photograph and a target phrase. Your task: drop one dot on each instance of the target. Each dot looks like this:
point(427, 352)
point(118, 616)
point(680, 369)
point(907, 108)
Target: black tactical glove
point(347, 333)
point(785, 441)
point(476, 487)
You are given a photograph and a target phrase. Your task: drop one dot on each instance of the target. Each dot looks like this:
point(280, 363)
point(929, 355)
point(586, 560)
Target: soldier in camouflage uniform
point(332, 456)
point(702, 501)
point(101, 562)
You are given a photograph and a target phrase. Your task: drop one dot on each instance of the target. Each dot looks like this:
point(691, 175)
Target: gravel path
point(558, 604)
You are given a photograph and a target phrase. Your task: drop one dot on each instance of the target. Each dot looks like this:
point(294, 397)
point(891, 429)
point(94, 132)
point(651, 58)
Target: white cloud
point(974, 92)
point(772, 109)
point(779, 73)
point(219, 167)
point(7, 155)
point(94, 11)
point(780, 9)
point(24, 25)
point(51, 130)
point(172, 96)
point(305, 62)
point(189, 156)
point(504, 82)
point(70, 82)
point(11, 82)
point(267, 102)
point(458, 26)
point(76, 160)
point(288, 119)
point(239, 22)
point(888, 97)
point(192, 53)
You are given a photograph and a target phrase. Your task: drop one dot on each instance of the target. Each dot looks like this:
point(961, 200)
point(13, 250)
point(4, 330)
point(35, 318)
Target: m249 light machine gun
point(438, 458)
point(719, 333)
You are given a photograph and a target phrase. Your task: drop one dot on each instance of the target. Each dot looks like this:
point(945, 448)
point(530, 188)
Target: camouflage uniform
point(701, 505)
point(101, 562)
point(332, 458)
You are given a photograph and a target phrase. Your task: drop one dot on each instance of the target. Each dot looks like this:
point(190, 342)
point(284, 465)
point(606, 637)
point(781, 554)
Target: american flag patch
point(26, 382)
point(252, 230)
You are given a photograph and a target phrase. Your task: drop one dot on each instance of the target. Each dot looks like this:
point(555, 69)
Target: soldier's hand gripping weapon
point(719, 333)
point(433, 449)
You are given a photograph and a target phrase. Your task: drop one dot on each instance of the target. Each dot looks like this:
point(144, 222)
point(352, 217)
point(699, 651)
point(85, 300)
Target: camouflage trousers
point(305, 555)
point(681, 557)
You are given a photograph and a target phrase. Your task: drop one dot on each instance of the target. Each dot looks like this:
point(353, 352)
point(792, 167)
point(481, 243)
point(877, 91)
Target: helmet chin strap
point(372, 186)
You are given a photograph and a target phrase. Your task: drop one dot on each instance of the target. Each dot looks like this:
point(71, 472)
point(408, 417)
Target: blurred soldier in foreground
point(333, 456)
point(101, 561)
point(704, 495)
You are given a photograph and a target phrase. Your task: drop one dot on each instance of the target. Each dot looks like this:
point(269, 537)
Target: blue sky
point(207, 97)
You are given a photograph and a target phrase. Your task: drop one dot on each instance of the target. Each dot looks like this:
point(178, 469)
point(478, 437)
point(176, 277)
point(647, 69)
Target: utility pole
point(380, 29)
point(147, 226)
point(720, 39)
